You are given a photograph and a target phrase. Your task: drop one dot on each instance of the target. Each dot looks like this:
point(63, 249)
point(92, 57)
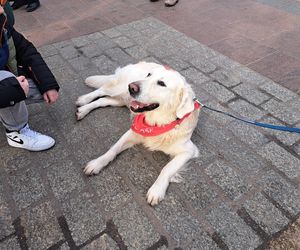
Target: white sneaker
point(29, 139)
point(170, 3)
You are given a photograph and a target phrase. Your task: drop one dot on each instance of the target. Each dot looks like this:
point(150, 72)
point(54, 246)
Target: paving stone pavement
point(239, 194)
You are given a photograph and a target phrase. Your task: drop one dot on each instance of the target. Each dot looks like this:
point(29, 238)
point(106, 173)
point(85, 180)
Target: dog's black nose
point(133, 88)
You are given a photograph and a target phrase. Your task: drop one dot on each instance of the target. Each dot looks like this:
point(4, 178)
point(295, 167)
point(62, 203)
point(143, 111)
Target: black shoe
point(33, 6)
point(17, 4)
point(154, 0)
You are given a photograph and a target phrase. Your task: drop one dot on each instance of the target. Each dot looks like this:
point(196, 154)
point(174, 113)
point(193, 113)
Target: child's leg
point(34, 94)
point(15, 117)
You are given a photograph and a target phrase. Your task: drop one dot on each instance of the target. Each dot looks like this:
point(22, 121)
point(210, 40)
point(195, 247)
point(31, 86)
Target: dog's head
point(163, 90)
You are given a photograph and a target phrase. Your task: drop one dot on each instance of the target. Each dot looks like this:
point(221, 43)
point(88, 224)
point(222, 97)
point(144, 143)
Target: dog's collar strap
point(140, 126)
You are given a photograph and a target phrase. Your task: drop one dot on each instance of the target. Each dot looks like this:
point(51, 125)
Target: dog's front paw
point(93, 167)
point(156, 194)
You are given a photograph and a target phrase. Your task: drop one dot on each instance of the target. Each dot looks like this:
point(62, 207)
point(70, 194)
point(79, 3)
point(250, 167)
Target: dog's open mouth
point(139, 107)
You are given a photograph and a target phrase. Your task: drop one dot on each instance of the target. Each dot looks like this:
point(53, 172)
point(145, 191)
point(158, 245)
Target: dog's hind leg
point(87, 98)
point(128, 140)
point(102, 102)
point(99, 80)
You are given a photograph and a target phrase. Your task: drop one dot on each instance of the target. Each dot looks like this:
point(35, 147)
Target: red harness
point(140, 126)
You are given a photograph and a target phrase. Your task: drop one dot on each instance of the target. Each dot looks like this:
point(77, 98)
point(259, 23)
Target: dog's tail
point(98, 81)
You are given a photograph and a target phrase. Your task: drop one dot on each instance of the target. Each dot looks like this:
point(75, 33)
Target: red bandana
point(140, 126)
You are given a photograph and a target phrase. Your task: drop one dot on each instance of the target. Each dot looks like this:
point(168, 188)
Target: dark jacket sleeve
point(11, 92)
point(27, 56)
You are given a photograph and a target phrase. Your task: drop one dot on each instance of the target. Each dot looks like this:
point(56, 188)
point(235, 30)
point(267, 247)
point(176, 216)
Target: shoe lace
point(27, 131)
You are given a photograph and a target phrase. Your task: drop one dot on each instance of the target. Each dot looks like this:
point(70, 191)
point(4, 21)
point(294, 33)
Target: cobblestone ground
point(239, 194)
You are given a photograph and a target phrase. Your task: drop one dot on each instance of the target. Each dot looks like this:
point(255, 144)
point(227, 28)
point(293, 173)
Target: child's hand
point(50, 96)
point(24, 84)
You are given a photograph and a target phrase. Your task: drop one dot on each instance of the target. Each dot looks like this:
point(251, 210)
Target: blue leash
point(259, 124)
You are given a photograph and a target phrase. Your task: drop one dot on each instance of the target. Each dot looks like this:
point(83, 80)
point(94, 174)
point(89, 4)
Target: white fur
point(175, 100)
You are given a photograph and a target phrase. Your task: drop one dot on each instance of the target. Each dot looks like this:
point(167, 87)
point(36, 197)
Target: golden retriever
point(165, 115)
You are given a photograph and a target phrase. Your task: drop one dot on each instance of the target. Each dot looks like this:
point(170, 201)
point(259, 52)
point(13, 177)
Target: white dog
point(165, 116)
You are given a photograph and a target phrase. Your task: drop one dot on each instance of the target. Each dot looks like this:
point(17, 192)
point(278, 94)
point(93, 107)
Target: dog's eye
point(149, 75)
point(161, 83)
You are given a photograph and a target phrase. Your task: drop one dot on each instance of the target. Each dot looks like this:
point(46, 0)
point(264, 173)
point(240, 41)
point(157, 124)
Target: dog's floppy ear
point(186, 102)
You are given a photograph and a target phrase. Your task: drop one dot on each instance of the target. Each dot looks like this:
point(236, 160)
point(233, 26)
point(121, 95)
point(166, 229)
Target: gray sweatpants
point(16, 117)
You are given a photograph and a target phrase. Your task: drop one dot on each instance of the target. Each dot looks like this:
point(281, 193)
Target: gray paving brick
point(141, 234)
point(240, 155)
point(217, 117)
point(137, 52)
point(250, 76)
point(112, 33)
point(203, 243)
point(80, 41)
point(123, 28)
point(105, 65)
point(187, 42)
point(62, 44)
point(248, 134)
point(119, 56)
point(124, 42)
point(64, 178)
point(232, 229)
point(281, 191)
point(282, 159)
point(55, 61)
point(41, 227)
point(288, 112)
point(271, 105)
point(218, 91)
point(211, 132)
point(177, 221)
point(84, 217)
point(91, 50)
point(284, 137)
point(206, 153)
point(224, 62)
point(105, 43)
point(27, 187)
point(292, 7)
point(104, 242)
point(64, 246)
point(10, 244)
point(197, 190)
point(278, 91)
point(16, 162)
point(246, 109)
point(269, 218)
point(159, 49)
point(176, 63)
point(69, 52)
point(203, 65)
point(80, 63)
point(228, 179)
point(110, 187)
point(195, 76)
point(297, 149)
point(48, 50)
point(152, 59)
point(251, 94)
point(6, 227)
point(141, 172)
point(95, 36)
point(226, 78)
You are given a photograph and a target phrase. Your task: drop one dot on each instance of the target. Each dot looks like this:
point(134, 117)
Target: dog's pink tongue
point(137, 105)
